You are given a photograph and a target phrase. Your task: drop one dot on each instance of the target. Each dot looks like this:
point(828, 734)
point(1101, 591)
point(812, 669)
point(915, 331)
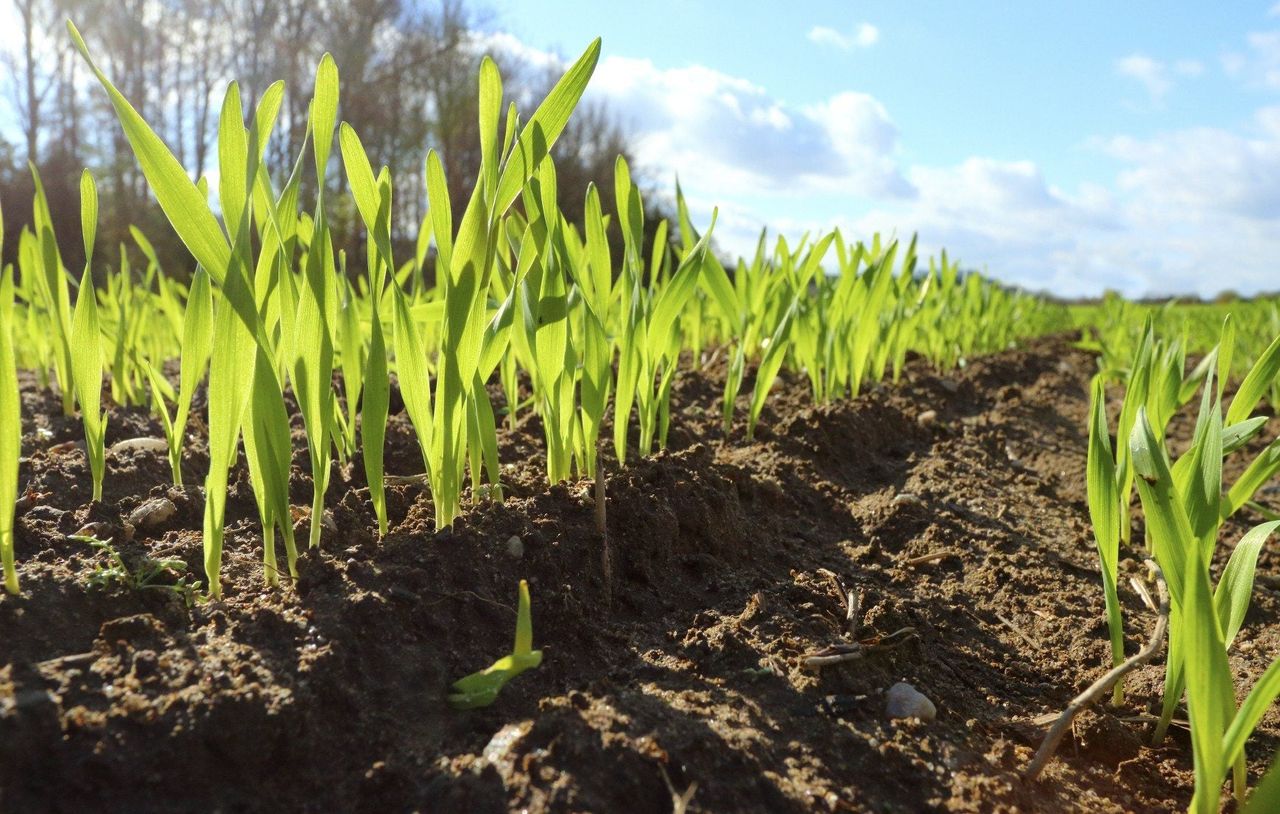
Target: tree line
point(408, 72)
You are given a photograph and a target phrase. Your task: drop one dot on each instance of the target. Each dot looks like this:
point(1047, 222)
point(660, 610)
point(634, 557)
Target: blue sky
point(1071, 146)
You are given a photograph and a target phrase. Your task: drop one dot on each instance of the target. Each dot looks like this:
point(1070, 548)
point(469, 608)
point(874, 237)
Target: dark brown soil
point(678, 677)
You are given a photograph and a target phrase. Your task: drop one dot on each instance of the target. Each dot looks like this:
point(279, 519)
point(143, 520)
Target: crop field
point(833, 526)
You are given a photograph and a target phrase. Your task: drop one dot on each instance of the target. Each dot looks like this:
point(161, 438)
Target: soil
point(673, 681)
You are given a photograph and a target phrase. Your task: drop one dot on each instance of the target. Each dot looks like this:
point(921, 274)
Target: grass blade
point(10, 431)
point(1104, 514)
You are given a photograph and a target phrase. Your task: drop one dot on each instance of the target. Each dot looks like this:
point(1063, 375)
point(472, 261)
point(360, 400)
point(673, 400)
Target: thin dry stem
point(602, 526)
point(842, 653)
point(925, 559)
point(1144, 593)
point(1100, 687)
point(1018, 632)
point(679, 799)
point(854, 616)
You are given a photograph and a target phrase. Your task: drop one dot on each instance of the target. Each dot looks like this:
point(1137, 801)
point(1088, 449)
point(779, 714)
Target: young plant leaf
point(481, 689)
point(10, 430)
point(1104, 514)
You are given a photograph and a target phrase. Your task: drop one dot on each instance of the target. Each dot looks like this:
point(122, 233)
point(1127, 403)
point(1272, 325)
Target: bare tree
point(32, 81)
point(408, 78)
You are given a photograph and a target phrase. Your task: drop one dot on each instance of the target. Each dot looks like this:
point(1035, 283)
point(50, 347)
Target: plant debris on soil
point(948, 510)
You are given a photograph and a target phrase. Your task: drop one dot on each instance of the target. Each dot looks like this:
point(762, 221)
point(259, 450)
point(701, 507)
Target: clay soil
point(674, 682)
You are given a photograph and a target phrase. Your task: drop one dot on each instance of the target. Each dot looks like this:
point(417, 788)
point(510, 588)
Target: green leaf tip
point(481, 689)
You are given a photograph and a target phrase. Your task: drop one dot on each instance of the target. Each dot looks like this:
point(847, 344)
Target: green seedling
point(166, 574)
point(1204, 620)
point(1104, 513)
point(481, 689)
point(10, 427)
point(197, 341)
point(86, 351)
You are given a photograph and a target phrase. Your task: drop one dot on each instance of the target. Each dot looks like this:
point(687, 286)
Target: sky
point(1065, 147)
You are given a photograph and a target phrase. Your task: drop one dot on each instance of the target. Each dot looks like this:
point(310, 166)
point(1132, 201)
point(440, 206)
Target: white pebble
point(153, 512)
point(140, 445)
point(927, 419)
point(500, 750)
point(904, 701)
point(515, 547)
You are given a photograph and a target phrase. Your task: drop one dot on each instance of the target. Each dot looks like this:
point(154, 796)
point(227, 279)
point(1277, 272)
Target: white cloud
point(724, 132)
point(1188, 211)
point(1233, 63)
point(1156, 76)
point(1003, 216)
point(1152, 74)
point(501, 42)
point(1264, 60)
point(1207, 169)
point(1188, 67)
point(864, 36)
point(1258, 64)
point(1191, 212)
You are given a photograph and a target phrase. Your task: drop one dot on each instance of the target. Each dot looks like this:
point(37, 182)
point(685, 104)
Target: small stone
point(45, 513)
point(500, 751)
point(904, 701)
point(29, 699)
point(950, 385)
point(515, 547)
point(140, 445)
point(97, 531)
point(906, 499)
point(927, 419)
point(153, 513)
